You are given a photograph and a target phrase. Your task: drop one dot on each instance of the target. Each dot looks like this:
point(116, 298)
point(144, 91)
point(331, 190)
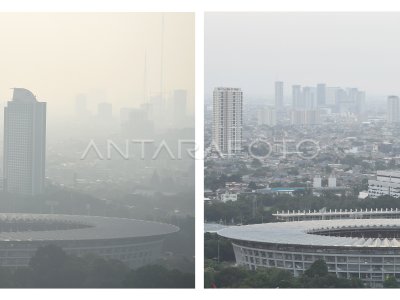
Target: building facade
point(24, 144)
point(227, 120)
point(393, 109)
point(386, 183)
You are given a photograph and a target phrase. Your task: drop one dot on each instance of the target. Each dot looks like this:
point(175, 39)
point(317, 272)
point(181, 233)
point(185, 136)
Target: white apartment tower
point(393, 109)
point(24, 144)
point(266, 116)
point(227, 120)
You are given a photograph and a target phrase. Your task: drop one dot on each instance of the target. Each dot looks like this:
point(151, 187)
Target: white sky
point(252, 50)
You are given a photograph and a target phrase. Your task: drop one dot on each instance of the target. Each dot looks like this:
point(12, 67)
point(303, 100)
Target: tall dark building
point(24, 144)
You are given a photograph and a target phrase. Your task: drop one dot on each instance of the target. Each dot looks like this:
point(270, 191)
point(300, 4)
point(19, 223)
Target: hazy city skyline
point(60, 55)
point(253, 50)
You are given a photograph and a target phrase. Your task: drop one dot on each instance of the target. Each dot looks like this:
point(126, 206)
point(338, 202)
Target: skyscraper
point(279, 95)
point(227, 120)
point(321, 94)
point(296, 96)
point(266, 116)
point(393, 109)
point(24, 144)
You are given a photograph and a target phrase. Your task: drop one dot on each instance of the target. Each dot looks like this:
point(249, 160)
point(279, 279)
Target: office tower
point(279, 95)
point(266, 116)
point(321, 94)
point(393, 109)
point(104, 111)
point(227, 120)
point(24, 144)
point(308, 98)
point(360, 102)
point(296, 96)
point(179, 108)
point(331, 95)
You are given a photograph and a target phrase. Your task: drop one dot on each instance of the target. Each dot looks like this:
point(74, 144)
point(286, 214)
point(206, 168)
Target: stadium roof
point(299, 233)
point(86, 228)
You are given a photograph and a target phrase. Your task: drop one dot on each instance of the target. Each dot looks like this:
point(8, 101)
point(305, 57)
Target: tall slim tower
point(279, 95)
point(227, 120)
point(393, 109)
point(296, 96)
point(24, 144)
point(321, 94)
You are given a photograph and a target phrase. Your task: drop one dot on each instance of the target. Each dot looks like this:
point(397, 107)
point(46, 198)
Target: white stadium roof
point(298, 233)
point(91, 228)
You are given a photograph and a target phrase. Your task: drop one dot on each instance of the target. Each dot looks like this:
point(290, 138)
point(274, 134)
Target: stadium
point(368, 249)
point(134, 242)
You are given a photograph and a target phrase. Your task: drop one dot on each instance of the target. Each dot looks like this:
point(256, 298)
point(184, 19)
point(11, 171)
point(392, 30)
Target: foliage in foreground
point(317, 276)
point(51, 267)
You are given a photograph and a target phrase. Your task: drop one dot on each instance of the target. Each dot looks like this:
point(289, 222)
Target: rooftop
point(330, 233)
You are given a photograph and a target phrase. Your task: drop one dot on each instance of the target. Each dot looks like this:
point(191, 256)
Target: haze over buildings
point(120, 58)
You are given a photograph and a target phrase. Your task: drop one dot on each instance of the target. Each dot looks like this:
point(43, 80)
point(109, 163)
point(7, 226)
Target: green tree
point(391, 282)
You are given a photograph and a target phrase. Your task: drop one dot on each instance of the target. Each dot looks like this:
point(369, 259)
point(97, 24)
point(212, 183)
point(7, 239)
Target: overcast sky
point(252, 50)
point(58, 55)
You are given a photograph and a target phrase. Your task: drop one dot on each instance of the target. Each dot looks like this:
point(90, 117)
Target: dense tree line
point(51, 267)
point(317, 276)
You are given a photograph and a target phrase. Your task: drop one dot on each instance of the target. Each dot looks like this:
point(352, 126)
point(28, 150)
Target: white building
point(393, 109)
point(386, 183)
point(266, 116)
point(227, 120)
point(332, 181)
point(317, 182)
point(229, 197)
point(305, 117)
point(24, 144)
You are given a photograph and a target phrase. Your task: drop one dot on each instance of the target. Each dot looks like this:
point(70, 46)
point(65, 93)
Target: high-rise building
point(296, 96)
point(321, 94)
point(24, 144)
point(393, 109)
point(279, 95)
point(308, 97)
point(266, 116)
point(227, 120)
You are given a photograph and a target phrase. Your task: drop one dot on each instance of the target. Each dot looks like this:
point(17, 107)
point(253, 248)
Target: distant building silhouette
point(393, 109)
point(279, 95)
point(24, 144)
